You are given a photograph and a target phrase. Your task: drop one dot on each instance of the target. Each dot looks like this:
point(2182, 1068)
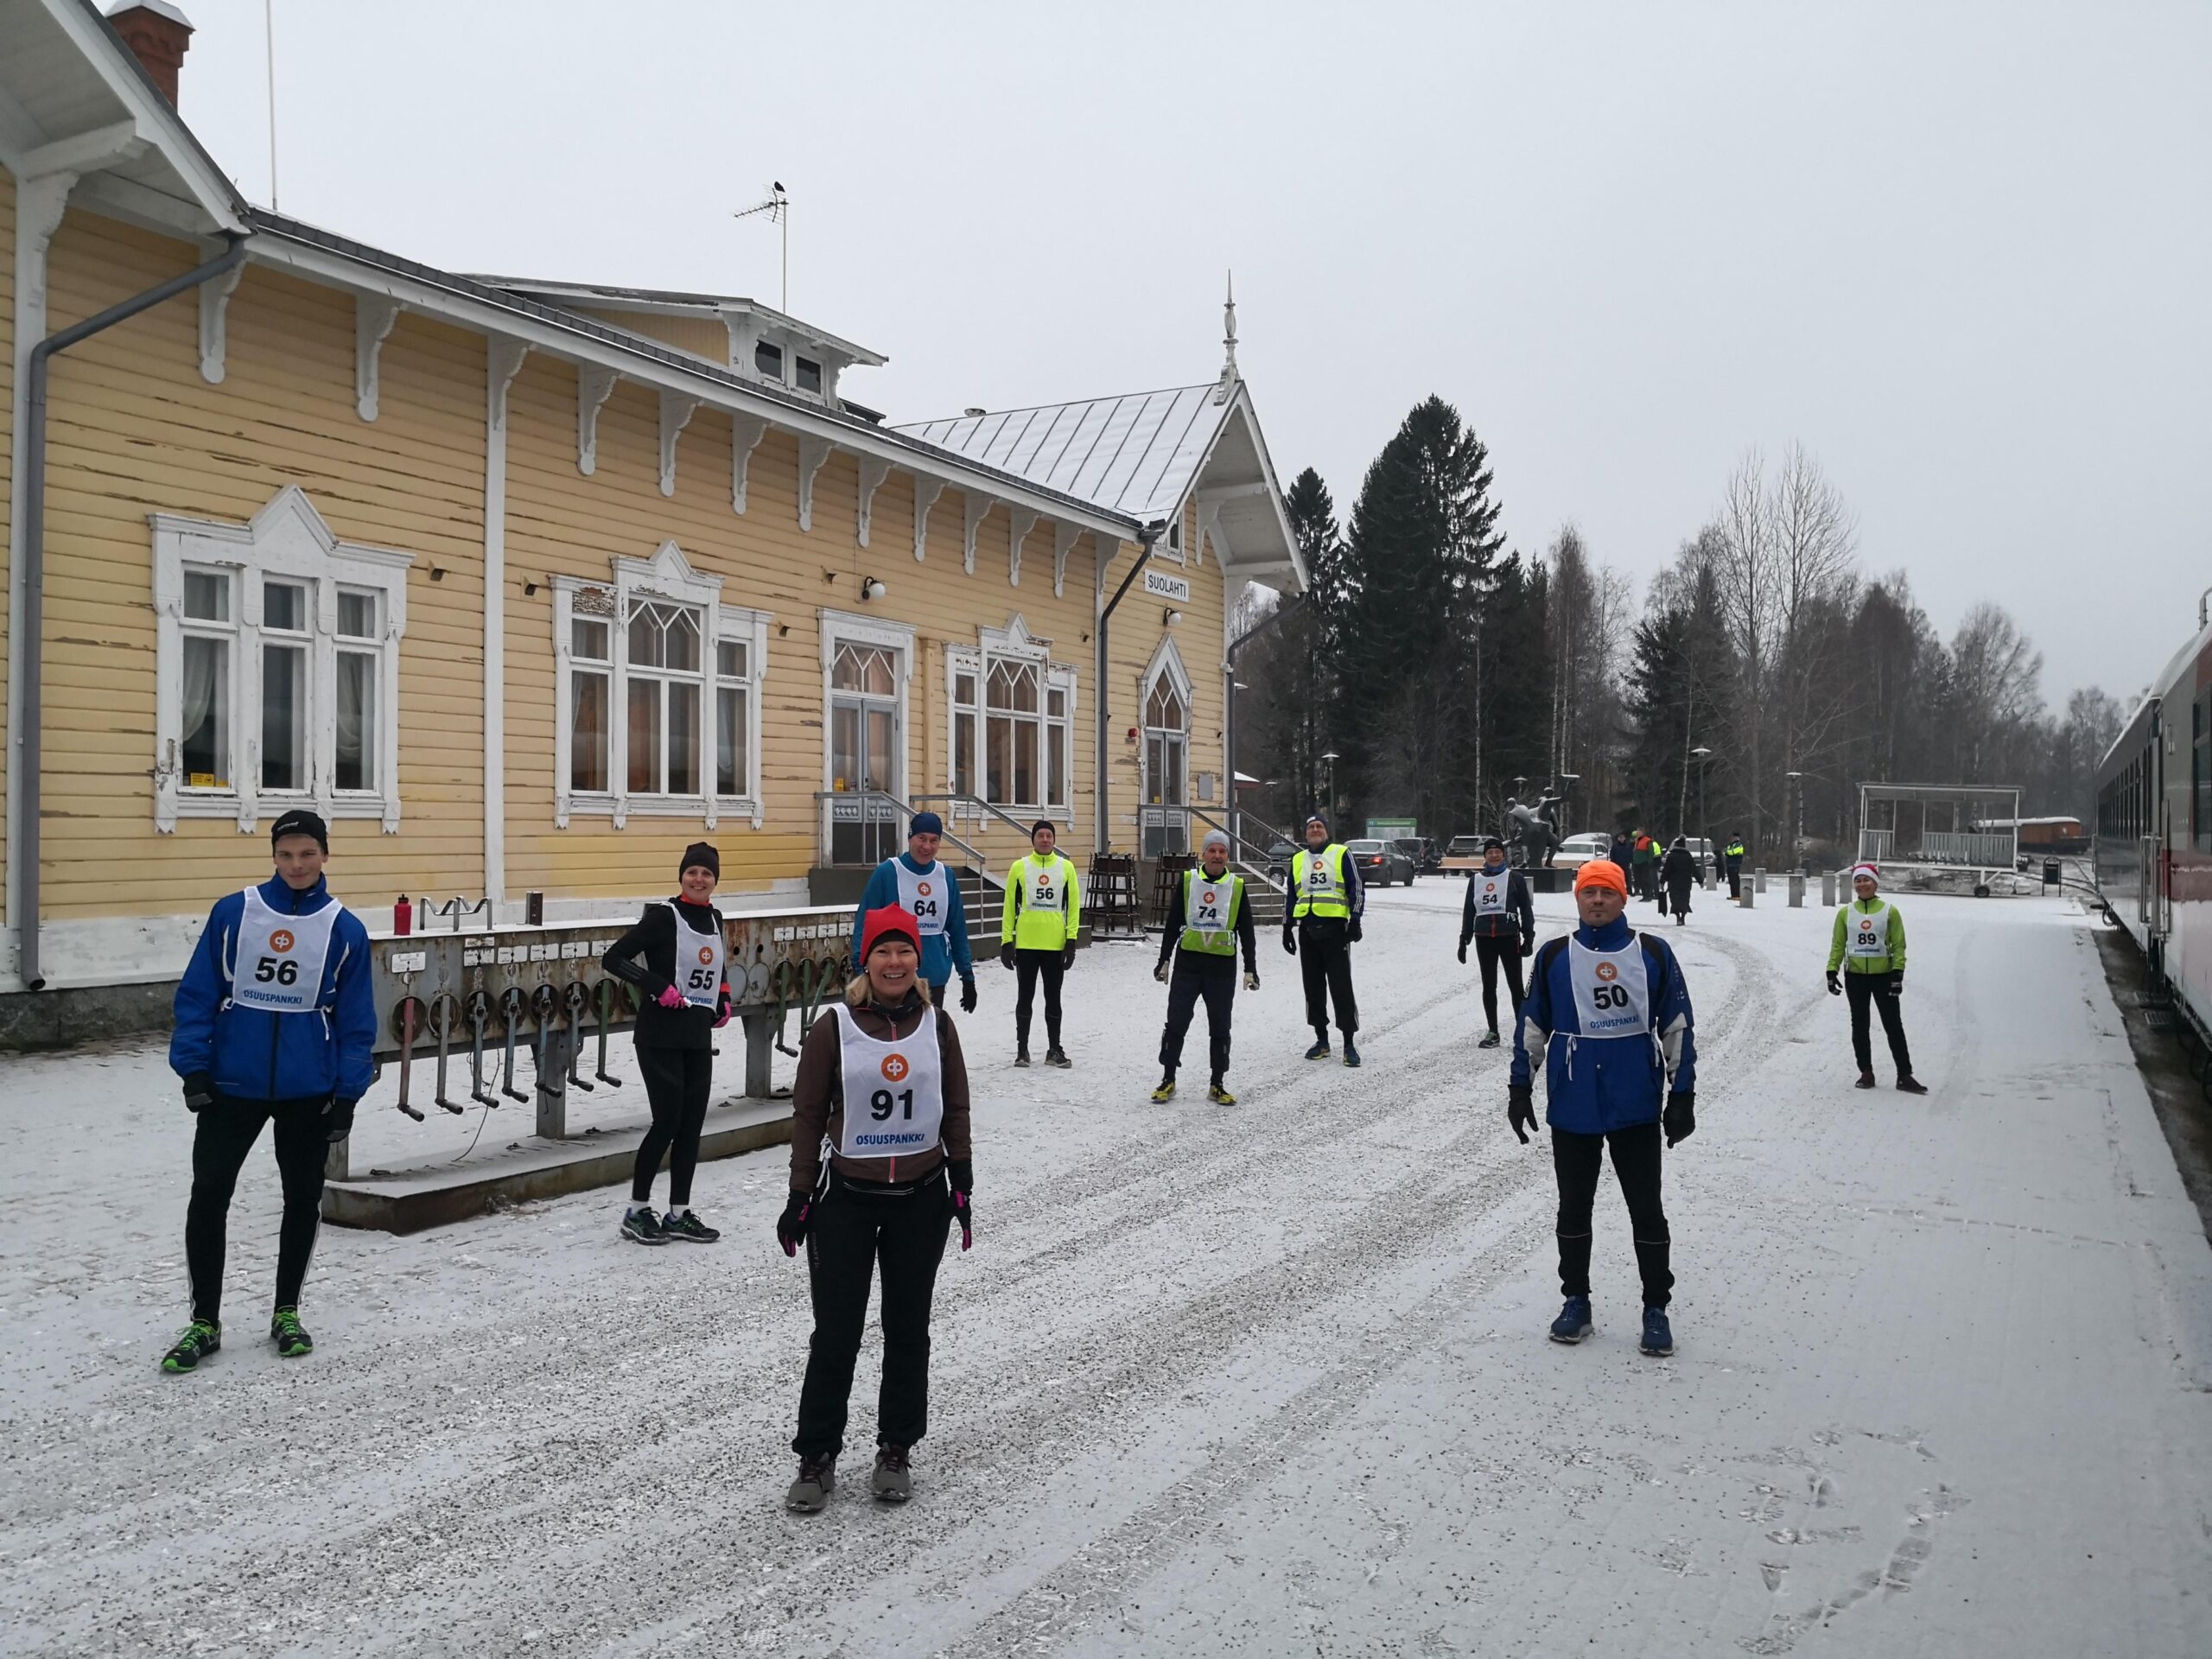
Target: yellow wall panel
point(706, 337)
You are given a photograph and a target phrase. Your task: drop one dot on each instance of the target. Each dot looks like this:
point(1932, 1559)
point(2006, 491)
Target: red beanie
point(879, 924)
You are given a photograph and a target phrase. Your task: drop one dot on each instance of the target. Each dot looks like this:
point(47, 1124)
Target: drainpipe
point(1229, 673)
point(1145, 538)
point(30, 630)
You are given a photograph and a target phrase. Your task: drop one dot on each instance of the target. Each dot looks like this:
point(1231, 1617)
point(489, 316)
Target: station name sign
point(1160, 585)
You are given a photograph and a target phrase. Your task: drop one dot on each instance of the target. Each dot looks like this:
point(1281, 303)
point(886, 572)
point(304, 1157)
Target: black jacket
point(645, 957)
point(1679, 869)
point(1201, 962)
point(1520, 917)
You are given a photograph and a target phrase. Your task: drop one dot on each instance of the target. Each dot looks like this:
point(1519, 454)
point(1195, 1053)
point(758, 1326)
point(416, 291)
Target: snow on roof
point(1135, 453)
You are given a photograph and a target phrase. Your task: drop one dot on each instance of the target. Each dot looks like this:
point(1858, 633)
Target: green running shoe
point(1164, 1093)
point(289, 1335)
point(688, 1229)
point(201, 1338)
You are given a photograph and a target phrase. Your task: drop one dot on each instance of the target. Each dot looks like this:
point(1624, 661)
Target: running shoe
point(642, 1225)
point(688, 1229)
point(1351, 1054)
point(201, 1338)
point(1220, 1096)
point(1866, 1080)
point(289, 1334)
point(1021, 1055)
point(1320, 1050)
point(817, 1478)
point(893, 1482)
point(1489, 1040)
point(1912, 1085)
point(1058, 1056)
point(1164, 1093)
point(1658, 1337)
point(1574, 1322)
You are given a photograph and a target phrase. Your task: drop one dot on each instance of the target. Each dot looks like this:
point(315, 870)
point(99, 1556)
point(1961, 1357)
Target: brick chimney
point(158, 36)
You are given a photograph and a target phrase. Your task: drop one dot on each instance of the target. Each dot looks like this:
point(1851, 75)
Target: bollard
point(1758, 877)
point(1749, 887)
point(1796, 890)
point(1827, 889)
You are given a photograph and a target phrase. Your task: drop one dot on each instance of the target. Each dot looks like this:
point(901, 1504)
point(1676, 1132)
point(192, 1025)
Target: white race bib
point(1208, 905)
point(1868, 932)
point(280, 958)
point(894, 1091)
point(1490, 893)
point(923, 894)
point(698, 963)
point(1613, 993)
point(1046, 891)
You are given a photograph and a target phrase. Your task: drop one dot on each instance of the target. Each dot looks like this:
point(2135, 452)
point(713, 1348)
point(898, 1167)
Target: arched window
point(1167, 756)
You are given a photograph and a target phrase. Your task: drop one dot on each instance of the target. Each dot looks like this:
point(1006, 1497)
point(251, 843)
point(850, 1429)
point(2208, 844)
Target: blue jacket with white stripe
point(942, 954)
point(1592, 1086)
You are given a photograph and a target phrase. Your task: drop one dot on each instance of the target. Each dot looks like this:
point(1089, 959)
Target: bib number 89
point(880, 1102)
point(283, 971)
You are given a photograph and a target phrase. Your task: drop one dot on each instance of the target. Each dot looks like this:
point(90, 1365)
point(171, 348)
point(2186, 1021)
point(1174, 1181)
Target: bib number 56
point(282, 970)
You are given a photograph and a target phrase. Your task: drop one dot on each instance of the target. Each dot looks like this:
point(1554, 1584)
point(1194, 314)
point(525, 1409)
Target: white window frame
point(1166, 663)
point(1014, 642)
point(667, 577)
point(287, 540)
point(844, 628)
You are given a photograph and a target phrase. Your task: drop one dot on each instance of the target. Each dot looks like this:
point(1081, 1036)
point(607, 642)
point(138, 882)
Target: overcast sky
point(1962, 252)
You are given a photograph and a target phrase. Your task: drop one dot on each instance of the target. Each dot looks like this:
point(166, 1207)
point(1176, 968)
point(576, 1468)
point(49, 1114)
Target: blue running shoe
point(1574, 1322)
point(1658, 1336)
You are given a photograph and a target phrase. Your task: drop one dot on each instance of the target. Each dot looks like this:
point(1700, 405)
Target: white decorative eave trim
point(677, 410)
point(1020, 522)
point(976, 508)
point(83, 152)
point(812, 452)
point(1065, 536)
point(373, 317)
point(503, 360)
point(926, 491)
point(873, 470)
point(667, 575)
point(594, 387)
point(745, 432)
point(214, 319)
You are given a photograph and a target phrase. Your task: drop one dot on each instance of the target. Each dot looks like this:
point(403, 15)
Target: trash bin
point(2051, 872)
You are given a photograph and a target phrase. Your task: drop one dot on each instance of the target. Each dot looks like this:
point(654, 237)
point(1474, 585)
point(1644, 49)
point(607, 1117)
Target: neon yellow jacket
point(1030, 925)
point(1891, 962)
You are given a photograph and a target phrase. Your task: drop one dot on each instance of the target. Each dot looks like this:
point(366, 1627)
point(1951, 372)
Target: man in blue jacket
point(275, 1022)
point(918, 881)
point(1608, 1010)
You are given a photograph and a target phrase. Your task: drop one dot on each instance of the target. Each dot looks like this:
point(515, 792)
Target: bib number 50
point(1610, 997)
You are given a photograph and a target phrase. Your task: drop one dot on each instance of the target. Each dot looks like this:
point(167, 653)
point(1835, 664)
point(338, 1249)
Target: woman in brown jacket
point(897, 1175)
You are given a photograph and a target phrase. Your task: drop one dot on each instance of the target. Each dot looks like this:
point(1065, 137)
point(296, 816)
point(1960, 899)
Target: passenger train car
point(2153, 848)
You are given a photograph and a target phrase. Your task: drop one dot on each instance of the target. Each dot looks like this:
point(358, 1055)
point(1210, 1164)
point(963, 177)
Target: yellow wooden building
point(526, 584)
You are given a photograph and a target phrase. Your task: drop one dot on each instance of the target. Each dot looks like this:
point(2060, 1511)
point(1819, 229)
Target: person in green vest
point(1320, 924)
point(1037, 930)
point(1733, 855)
point(1207, 920)
point(1869, 949)
point(1647, 867)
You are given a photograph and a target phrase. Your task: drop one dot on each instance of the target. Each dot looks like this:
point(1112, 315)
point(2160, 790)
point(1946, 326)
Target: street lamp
point(1329, 757)
point(1702, 754)
point(1797, 818)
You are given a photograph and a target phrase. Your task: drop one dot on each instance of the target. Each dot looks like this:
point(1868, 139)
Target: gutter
point(30, 630)
point(1145, 538)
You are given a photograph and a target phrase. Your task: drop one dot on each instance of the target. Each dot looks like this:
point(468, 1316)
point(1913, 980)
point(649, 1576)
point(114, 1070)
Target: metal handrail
point(1000, 813)
point(1260, 870)
point(864, 796)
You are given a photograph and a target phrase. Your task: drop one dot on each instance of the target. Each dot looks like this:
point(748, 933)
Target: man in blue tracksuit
point(921, 883)
point(1610, 1013)
point(275, 1023)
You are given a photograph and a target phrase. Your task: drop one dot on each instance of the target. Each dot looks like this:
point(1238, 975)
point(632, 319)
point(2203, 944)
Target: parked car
point(1416, 851)
point(1379, 862)
point(1464, 854)
point(1279, 856)
point(1578, 850)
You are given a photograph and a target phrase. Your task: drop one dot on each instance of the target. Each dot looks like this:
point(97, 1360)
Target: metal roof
point(1135, 454)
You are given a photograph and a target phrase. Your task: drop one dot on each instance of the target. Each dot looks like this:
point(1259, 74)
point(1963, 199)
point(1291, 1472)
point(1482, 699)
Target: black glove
point(1529, 945)
point(199, 1092)
point(960, 1172)
point(791, 1225)
point(1006, 955)
point(1352, 931)
point(968, 995)
point(1680, 1119)
point(1897, 982)
point(338, 1120)
point(1462, 953)
point(1521, 1111)
point(1290, 942)
point(1067, 959)
point(1835, 983)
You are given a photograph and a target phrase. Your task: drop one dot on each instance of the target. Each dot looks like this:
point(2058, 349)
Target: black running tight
point(677, 1081)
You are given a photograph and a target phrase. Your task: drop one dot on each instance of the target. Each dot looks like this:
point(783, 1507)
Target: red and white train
point(2154, 829)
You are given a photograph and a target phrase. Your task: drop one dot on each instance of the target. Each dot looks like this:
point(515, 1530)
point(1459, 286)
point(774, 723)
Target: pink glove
point(671, 998)
point(723, 1019)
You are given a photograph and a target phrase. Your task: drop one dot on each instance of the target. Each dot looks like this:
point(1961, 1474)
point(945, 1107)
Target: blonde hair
point(856, 989)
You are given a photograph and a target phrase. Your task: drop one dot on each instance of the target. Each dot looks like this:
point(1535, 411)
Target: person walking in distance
point(675, 959)
point(1734, 856)
point(1609, 1014)
point(1645, 854)
point(1869, 948)
point(1678, 871)
point(1500, 919)
point(1320, 922)
point(881, 1083)
point(1207, 920)
point(1623, 853)
point(275, 1022)
point(924, 886)
point(1036, 932)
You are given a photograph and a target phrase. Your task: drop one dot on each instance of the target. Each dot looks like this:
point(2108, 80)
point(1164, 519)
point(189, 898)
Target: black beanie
point(1044, 823)
point(704, 857)
point(300, 822)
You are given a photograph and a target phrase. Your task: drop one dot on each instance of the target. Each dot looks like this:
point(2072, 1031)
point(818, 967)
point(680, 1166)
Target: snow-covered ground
point(1258, 1380)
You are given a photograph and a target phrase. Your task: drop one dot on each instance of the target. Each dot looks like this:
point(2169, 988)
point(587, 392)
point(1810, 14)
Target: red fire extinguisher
point(403, 916)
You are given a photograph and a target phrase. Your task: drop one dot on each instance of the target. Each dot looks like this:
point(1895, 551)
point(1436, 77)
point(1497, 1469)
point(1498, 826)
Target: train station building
point(526, 584)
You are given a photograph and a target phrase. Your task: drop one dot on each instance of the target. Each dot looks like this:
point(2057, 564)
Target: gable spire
point(1228, 375)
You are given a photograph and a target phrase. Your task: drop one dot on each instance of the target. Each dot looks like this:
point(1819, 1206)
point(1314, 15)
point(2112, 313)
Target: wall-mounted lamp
point(437, 573)
point(871, 588)
point(1172, 618)
point(528, 587)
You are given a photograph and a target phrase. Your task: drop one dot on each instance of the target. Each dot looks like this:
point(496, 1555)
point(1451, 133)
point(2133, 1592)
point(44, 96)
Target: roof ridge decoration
point(1227, 385)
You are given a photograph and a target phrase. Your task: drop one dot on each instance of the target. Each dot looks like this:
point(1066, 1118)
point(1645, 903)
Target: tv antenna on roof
point(778, 207)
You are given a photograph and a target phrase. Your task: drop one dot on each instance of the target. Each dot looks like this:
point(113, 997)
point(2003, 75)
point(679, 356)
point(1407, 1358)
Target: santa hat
point(1868, 871)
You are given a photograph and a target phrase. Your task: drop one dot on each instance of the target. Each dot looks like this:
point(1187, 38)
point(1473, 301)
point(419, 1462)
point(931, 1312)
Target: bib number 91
point(880, 1102)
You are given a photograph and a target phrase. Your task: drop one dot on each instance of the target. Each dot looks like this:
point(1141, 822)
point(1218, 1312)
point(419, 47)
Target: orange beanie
point(1601, 873)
